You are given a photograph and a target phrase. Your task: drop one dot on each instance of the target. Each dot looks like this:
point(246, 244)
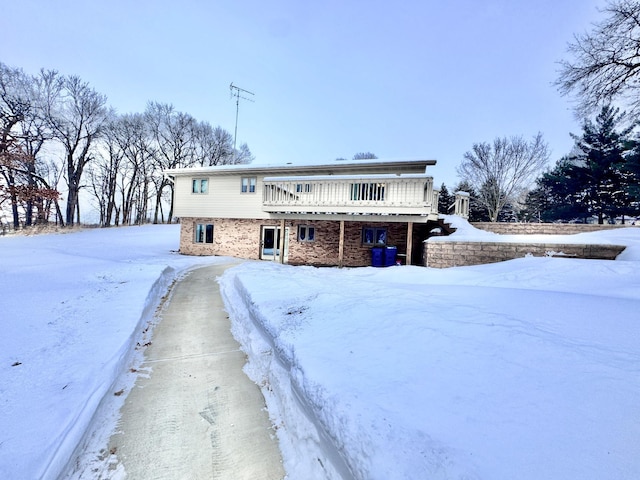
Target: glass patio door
point(270, 243)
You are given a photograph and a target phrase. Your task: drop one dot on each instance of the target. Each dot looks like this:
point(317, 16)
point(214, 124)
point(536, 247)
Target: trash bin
point(390, 256)
point(377, 257)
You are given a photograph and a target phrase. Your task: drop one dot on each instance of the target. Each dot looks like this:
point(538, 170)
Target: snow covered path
point(195, 413)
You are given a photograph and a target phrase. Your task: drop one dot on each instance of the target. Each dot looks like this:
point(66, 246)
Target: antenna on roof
point(235, 92)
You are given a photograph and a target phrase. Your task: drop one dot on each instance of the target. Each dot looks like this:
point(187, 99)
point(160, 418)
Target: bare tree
point(173, 133)
point(243, 155)
point(136, 174)
point(23, 132)
point(365, 156)
point(34, 133)
point(77, 115)
point(103, 171)
point(14, 105)
point(606, 61)
point(501, 172)
point(213, 146)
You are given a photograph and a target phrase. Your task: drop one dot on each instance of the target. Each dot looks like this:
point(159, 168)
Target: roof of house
point(288, 168)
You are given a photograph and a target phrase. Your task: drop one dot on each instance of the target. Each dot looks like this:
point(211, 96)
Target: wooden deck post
point(341, 245)
point(409, 241)
point(282, 242)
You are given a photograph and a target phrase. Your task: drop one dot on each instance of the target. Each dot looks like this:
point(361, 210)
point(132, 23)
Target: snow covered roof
point(310, 167)
point(302, 178)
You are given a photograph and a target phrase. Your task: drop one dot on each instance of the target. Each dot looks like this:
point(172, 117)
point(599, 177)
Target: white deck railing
point(411, 194)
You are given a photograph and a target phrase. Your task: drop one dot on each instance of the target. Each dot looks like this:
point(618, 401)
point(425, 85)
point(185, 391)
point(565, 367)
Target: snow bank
point(468, 233)
point(73, 308)
point(525, 369)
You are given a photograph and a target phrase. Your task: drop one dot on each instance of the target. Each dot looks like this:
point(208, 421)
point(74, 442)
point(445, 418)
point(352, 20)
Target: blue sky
point(412, 79)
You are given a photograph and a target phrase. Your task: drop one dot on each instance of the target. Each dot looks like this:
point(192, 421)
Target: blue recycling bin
point(377, 257)
point(390, 254)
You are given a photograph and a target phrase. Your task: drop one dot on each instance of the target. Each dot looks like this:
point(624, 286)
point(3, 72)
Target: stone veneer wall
point(443, 254)
point(541, 228)
point(231, 237)
point(241, 238)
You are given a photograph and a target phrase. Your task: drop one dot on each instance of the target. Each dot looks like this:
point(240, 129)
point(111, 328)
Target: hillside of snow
point(523, 369)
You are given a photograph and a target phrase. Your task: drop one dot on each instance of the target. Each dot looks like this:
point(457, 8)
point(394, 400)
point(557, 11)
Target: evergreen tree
point(631, 172)
point(599, 179)
point(446, 200)
point(535, 205)
point(558, 195)
point(598, 166)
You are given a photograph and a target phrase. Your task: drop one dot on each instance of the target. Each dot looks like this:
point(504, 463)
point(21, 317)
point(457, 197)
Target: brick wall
point(241, 238)
point(322, 251)
point(443, 254)
point(231, 237)
point(325, 250)
point(541, 228)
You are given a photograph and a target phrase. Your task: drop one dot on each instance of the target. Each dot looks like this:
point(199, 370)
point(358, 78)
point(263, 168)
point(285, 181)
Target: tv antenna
point(238, 92)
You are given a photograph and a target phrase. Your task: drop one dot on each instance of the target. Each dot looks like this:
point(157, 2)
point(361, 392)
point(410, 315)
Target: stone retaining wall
point(443, 254)
point(542, 228)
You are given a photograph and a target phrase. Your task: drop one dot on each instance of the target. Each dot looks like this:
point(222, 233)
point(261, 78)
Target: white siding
point(223, 199)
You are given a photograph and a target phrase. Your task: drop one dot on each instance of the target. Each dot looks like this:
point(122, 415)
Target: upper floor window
point(199, 185)
point(248, 185)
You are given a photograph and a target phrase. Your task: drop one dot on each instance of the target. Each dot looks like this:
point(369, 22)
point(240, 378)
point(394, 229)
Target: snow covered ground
point(73, 308)
point(525, 369)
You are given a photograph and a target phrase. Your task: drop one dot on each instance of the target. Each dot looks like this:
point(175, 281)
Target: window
point(367, 191)
point(306, 233)
point(204, 233)
point(248, 185)
point(303, 187)
point(374, 236)
point(199, 185)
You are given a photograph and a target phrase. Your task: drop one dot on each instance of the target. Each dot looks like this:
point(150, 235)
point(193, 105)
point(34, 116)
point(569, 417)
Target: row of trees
point(601, 176)
point(56, 131)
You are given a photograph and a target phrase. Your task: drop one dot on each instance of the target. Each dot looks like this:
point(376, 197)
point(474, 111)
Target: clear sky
point(405, 79)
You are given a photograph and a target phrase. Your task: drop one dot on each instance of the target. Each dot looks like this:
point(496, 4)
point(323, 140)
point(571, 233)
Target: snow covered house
point(327, 214)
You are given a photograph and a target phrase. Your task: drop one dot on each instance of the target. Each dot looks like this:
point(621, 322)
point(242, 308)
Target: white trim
point(321, 178)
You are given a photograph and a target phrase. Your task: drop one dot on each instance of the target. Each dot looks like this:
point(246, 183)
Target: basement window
point(204, 233)
point(374, 236)
point(306, 233)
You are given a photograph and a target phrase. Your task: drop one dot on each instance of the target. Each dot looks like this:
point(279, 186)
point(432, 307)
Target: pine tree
point(445, 201)
point(596, 180)
point(558, 195)
point(599, 164)
point(631, 172)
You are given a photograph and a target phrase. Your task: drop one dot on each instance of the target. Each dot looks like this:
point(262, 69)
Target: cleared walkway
point(197, 416)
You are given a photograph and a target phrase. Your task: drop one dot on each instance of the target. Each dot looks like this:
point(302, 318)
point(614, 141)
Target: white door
point(270, 244)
